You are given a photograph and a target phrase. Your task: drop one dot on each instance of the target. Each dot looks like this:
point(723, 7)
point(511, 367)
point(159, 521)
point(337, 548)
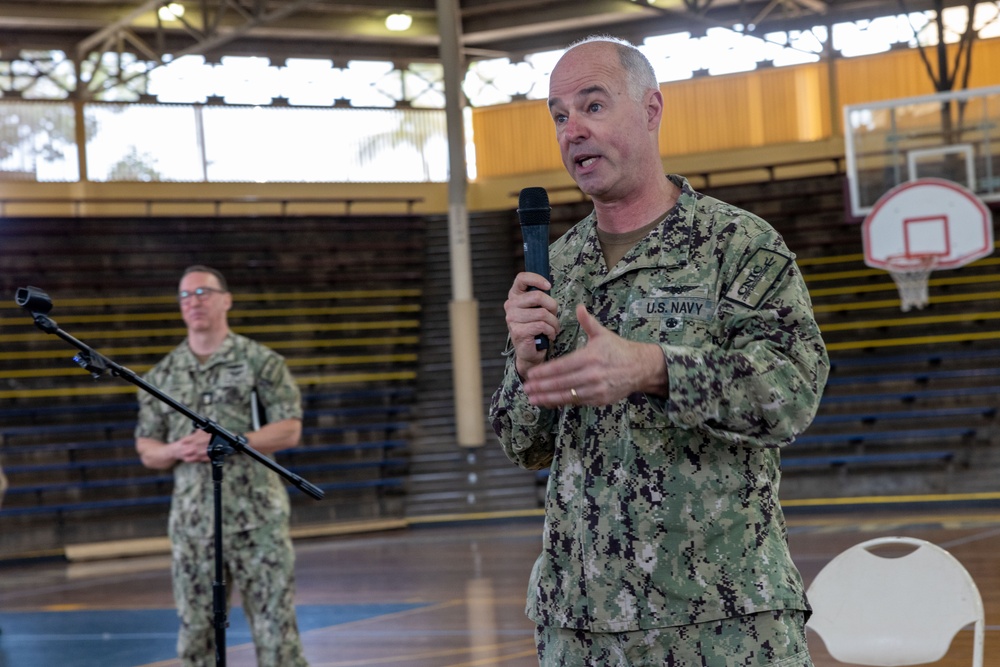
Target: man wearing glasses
point(217, 373)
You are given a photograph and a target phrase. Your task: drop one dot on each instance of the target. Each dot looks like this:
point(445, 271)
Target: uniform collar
point(668, 245)
point(191, 361)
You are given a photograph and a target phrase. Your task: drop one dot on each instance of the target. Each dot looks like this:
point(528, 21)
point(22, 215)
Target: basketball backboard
point(954, 136)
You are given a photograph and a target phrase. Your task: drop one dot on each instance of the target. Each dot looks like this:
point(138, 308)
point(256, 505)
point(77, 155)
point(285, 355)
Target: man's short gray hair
point(639, 73)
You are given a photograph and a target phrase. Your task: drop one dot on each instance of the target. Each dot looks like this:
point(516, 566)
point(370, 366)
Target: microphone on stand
point(534, 212)
point(33, 299)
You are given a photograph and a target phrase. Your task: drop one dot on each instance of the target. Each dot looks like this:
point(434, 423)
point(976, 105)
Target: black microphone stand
point(223, 442)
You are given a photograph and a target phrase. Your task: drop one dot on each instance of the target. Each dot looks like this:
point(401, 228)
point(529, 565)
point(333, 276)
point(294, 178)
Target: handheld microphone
point(534, 212)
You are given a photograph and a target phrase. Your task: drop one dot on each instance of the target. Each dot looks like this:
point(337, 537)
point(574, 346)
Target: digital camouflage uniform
point(258, 551)
point(766, 639)
point(664, 511)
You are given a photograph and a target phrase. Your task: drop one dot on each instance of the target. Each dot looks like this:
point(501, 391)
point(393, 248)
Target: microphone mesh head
point(533, 206)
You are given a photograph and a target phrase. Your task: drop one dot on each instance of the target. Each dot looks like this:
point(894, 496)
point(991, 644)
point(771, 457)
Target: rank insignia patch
point(757, 276)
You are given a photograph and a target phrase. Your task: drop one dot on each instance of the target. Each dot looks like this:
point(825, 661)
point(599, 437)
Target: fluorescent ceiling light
point(398, 22)
point(171, 12)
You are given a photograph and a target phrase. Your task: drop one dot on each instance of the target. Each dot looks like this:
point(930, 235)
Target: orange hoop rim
point(911, 263)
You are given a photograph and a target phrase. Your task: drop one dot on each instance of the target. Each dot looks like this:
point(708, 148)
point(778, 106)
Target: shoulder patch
point(757, 276)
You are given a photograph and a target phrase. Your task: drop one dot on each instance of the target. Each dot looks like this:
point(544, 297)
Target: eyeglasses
point(200, 293)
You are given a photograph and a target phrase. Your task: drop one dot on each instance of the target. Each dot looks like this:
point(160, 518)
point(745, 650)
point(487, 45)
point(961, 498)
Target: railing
point(704, 177)
point(215, 204)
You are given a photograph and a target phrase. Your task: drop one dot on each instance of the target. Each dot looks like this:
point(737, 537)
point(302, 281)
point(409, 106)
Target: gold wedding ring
point(576, 396)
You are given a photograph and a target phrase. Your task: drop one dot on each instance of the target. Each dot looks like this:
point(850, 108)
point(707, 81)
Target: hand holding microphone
point(534, 213)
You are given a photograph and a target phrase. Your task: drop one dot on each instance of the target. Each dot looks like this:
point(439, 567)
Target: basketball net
point(911, 278)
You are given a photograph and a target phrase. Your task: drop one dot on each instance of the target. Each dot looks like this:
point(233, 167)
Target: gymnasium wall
point(788, 105)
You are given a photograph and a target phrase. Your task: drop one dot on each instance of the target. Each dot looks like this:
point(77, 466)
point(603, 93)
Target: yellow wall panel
point(789, 103)
point(745, 110)
point(705, 114)
point(897, 74)
point(514, 138)
point(985, 63)
point(883, 77)
point(812, 86)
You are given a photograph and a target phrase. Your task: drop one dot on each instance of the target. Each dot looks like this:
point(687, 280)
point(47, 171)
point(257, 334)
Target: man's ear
point(654, 109)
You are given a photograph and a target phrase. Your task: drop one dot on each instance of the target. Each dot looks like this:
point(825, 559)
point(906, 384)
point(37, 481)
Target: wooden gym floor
point(432, 595)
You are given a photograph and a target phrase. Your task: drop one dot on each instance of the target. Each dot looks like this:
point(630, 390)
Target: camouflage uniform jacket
point(219, 390)
point(664, 511)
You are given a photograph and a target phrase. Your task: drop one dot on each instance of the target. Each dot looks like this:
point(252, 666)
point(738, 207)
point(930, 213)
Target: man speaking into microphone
point(683, 354)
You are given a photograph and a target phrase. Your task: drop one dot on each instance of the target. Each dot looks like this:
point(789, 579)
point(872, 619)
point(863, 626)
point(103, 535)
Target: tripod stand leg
point(217, 451)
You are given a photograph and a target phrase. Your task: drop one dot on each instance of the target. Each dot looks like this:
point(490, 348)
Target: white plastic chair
point(871, 610)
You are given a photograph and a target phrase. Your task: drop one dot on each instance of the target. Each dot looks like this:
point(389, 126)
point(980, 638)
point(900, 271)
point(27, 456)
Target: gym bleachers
point(910, 404)
point(339, 299)
point(367, 440)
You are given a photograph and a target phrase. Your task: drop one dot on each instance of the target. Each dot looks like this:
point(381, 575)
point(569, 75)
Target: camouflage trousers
point(768, 639)
point(260, 564)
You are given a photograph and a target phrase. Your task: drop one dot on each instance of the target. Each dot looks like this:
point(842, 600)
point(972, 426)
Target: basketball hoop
point(911, 275)
point(925, 225)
